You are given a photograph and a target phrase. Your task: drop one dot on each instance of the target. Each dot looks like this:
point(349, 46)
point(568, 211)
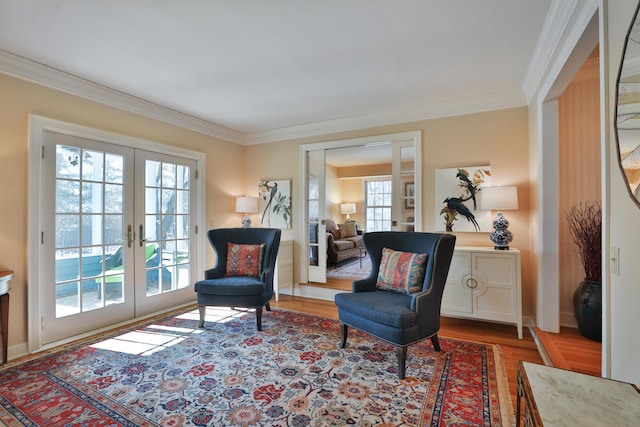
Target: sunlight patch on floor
point(217, 314)
point(143, 342)
point(154, 338)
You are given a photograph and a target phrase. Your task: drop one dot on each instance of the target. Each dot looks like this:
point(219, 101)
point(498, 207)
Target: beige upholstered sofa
point(343, 241)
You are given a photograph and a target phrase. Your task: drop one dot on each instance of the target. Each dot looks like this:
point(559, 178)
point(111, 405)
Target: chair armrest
point(426, 307)
point(214, 273)
point(265, 274)
point(267, 277)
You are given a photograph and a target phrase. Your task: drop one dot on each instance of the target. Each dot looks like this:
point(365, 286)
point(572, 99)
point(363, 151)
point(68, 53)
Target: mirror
point(628, 111)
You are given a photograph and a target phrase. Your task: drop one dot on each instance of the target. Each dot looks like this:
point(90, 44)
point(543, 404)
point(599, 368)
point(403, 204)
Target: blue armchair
point(223, 288)
point(397, 317)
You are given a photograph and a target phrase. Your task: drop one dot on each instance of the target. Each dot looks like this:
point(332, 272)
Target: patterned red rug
point(168, 372)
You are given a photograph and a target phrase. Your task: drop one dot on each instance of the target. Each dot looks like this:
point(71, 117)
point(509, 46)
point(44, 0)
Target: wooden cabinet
point(283, 277)
point(5, 277)
point(484, 283)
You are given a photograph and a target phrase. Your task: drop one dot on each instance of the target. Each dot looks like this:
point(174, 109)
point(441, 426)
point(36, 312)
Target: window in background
point(378, 205)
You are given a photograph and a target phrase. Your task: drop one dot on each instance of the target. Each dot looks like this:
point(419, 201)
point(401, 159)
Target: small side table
point(557, 397)
point(5, 277)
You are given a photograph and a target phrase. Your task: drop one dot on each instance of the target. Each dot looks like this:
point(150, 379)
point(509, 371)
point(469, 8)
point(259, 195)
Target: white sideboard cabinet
point(484, 283)
point(283, 275)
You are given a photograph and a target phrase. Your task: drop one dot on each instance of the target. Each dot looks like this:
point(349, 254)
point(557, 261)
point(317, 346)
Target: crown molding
point(44, 75)
point(564, 25)
point(476, 104)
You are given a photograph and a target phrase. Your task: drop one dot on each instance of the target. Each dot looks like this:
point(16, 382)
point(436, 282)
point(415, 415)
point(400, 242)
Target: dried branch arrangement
point(585, 227)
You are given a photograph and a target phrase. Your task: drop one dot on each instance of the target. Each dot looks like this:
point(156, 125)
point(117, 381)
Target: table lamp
point(246, 205)
point(348, 208)
point(500, 199)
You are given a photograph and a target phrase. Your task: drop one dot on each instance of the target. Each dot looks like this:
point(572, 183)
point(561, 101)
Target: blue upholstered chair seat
point(231, 286)
point(382, 307)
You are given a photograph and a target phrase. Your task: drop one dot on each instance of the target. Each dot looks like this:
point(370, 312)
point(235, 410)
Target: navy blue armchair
point(221, 290)
point(399, 318)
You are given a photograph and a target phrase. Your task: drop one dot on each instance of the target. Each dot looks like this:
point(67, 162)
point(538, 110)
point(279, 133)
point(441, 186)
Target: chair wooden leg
point(202, 309)
point(401, 352)
point(436, 343)
point(259, 318)
point(267, 306)
point(343, 335)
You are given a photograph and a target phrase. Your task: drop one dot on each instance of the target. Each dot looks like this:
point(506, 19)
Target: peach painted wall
point(19, 99)
point(579, 159)
point(498, 138)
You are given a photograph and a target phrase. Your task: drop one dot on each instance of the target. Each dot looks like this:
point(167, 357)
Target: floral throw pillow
point(244, 260)
point(401, 272)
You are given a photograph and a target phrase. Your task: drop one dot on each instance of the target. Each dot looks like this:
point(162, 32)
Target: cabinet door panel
point(457, 296)
point(495, 296)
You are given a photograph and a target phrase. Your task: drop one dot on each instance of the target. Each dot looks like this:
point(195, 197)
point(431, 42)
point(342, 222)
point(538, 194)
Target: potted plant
point(585, 227)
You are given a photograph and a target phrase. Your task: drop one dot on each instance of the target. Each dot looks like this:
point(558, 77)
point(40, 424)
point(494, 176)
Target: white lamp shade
point(247, 204)
point(348, 208)
point(499, 198)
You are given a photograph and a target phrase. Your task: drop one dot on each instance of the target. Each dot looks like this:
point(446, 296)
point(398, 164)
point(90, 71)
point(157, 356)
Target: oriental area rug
point(167, 372)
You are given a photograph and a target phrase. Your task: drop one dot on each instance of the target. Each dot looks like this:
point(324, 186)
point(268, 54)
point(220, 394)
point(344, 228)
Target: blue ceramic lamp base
point(500, 236)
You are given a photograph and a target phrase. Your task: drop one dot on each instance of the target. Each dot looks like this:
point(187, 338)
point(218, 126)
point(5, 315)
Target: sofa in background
point(343, 241)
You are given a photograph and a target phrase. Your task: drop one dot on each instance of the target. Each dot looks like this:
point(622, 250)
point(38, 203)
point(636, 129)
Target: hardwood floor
point(586, 359)
point(570, 350)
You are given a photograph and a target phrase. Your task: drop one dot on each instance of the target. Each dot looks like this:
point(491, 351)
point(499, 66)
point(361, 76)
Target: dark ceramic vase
point(587, 307)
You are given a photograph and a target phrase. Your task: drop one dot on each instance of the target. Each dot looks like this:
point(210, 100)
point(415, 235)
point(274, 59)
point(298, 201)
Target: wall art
point(456, 199)
point(275, 203)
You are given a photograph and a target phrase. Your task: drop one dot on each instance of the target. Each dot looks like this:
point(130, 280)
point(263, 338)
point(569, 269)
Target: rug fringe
point(506, 406)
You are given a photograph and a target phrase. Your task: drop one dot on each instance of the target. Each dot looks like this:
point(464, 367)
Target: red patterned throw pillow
point(401, 272)
point(244, 260)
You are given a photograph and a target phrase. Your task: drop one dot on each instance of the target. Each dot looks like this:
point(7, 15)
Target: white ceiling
point(257, 71)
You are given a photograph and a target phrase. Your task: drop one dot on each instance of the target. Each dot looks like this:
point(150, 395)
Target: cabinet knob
point(472, 283)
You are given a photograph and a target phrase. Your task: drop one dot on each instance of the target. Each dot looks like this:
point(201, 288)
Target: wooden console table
point(557, 397)
point(5, 276)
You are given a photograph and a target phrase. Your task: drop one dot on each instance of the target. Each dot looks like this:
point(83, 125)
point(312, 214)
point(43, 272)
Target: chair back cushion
point(401, 272)
point(244, 260)
point(221, 237)
point(331, 225)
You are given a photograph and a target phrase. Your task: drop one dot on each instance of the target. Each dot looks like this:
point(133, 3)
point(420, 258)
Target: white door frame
point(415, 137)
point(37, 127)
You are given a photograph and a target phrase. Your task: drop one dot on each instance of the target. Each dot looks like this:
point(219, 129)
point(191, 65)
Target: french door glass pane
point(313, 218)
point(89, 206)
point(166, 230)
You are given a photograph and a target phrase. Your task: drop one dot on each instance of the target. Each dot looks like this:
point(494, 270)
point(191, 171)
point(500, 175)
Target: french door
point(315, 221)
point(117, 238)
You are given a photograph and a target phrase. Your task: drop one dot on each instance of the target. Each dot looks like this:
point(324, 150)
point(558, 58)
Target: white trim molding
point(44, 75)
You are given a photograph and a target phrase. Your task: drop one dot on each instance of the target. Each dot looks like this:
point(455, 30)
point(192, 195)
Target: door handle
point(130, 236)
point(141, 236)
